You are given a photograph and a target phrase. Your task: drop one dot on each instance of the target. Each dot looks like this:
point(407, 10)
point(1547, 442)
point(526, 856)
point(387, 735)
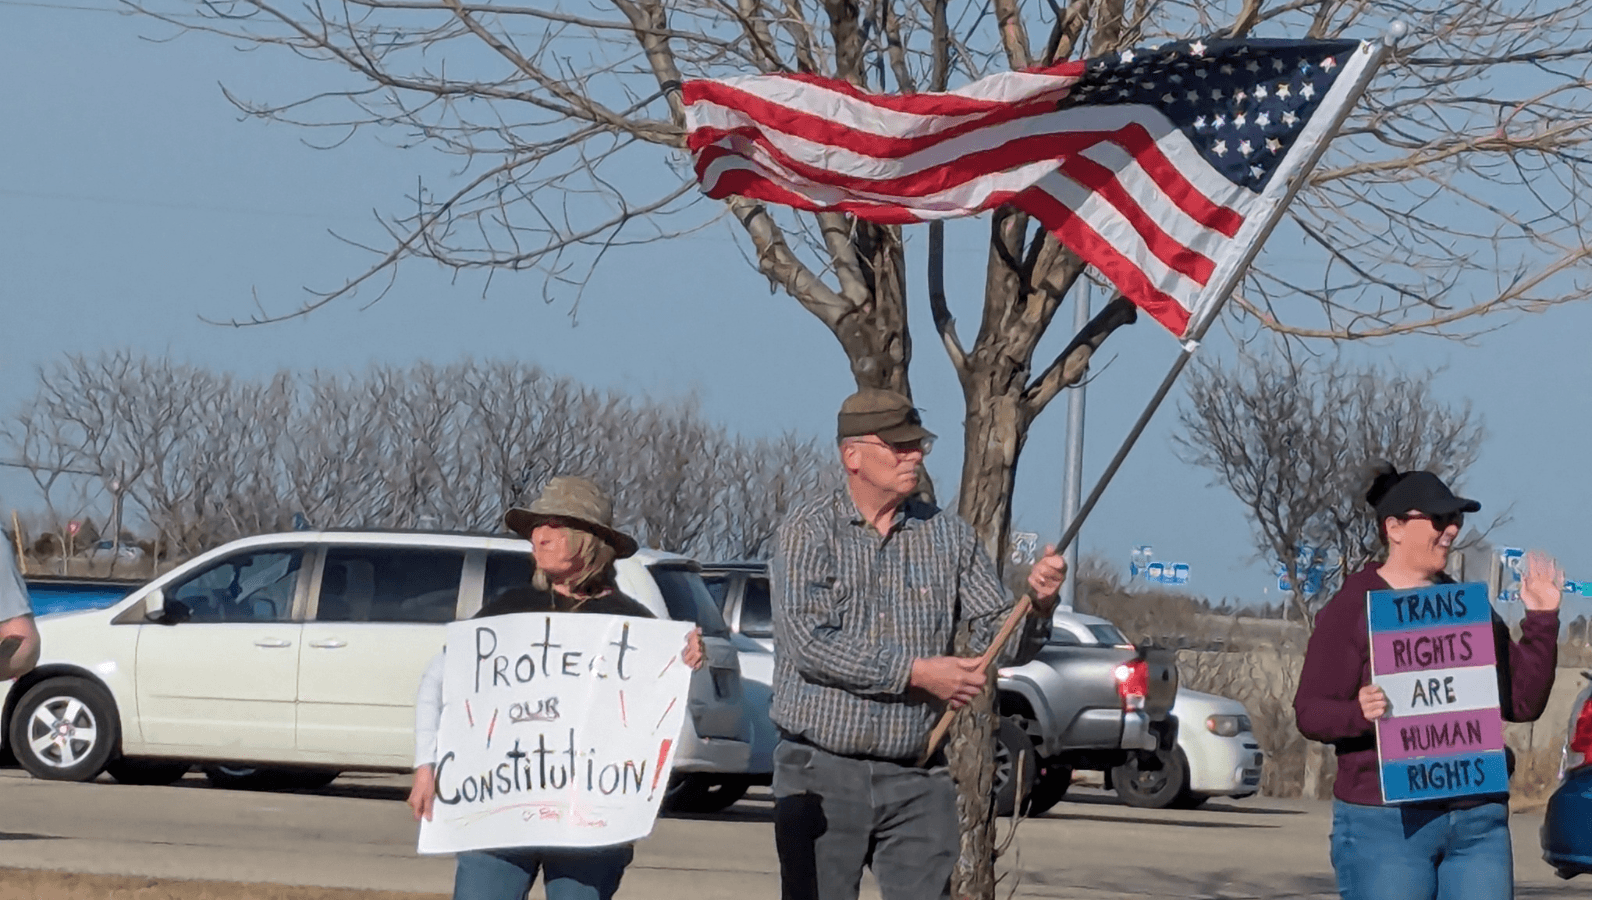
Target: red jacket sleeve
point(1325, 705)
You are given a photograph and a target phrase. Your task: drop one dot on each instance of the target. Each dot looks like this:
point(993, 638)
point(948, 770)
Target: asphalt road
point(358, 833)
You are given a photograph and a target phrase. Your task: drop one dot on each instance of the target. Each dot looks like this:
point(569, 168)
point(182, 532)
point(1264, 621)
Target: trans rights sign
point(558, 730)
point(1433, 655)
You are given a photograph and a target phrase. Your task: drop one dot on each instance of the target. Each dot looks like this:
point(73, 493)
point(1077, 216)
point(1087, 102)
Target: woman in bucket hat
point(1446, 849)
point(574, 550)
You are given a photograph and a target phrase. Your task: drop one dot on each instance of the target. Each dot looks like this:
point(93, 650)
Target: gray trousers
point(835, 814)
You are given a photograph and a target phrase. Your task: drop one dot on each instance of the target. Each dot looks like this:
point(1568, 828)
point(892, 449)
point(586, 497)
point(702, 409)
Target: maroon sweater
point(1338, 664)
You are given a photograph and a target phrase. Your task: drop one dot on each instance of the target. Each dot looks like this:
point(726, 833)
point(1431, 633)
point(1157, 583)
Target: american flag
point(1158, 166)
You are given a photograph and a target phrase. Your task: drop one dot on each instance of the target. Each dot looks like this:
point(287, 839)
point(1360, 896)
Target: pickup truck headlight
point(1227, 726)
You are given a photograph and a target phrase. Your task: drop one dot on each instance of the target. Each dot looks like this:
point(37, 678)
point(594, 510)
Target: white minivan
point(284, 659)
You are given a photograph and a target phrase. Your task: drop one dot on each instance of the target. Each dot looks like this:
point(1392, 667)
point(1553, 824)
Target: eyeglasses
point(902, 448)
point(1441, 521)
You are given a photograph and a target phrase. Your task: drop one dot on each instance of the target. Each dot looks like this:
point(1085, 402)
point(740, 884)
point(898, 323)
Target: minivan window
point(255, 586)
point(389, 584)
point(688, 600)
point(504, 571)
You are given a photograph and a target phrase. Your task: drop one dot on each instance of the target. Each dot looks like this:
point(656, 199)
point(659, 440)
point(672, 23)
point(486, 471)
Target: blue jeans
point(569, 874)
point(1411, 853)
point(835, 814)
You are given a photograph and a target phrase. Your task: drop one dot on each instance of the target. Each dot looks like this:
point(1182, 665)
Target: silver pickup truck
point(1089, 700)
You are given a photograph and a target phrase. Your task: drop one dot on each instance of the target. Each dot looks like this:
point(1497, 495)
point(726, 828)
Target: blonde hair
point(597, 575)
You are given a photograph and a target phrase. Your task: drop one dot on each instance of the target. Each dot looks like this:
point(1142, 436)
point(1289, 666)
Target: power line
point(167, 204)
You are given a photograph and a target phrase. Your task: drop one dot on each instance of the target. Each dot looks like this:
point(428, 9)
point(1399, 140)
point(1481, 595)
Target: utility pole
point(1072, 479)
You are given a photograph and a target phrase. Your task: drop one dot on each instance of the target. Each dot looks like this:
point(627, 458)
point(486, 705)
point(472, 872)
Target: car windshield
point(688, 600)
point(1100, 635)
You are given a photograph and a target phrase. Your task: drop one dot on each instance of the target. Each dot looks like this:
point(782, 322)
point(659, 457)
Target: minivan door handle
point(330, 644)
point(272, 643)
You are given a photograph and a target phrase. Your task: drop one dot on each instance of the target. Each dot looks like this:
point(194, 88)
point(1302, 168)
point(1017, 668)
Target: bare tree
point(208, 458)
point(1295, 439)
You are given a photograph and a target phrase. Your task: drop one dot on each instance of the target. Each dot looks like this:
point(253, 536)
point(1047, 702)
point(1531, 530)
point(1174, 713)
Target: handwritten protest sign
point(558, 730)
point(1433, 655)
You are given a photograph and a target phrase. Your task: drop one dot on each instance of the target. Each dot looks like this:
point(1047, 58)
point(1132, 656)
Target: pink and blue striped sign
point(1433, 655)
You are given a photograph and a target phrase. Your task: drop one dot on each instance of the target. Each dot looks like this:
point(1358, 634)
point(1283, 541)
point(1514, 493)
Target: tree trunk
point(874, 333)
point(971, 754)
point(1316, 757)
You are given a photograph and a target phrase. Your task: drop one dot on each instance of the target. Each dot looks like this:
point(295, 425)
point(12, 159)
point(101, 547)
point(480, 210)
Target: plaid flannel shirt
point(852, 609)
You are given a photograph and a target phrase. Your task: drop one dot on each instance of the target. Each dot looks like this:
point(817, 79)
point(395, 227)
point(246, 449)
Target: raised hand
point(1542, 581)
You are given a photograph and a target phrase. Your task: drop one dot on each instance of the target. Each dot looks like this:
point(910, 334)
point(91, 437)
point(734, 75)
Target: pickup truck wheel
point(64, 729)
point(1156, 788)
point(1014, 759)
point(146, 771)
point(1049, 788)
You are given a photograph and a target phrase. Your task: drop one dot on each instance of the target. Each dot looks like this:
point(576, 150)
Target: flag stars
point(1328, 64)
point(1168, 98)
point(1226, 68)
point(1220, 148)
point(1244, 147)
point(1274, 145)
point(1277, 64)
point(1218, 121)
point(1283, 91)
point(1239, 120)
point(1192, 96)
point(1200, 123)
point(1252, 67)
point(1308, 91)
point(1216, 94)
point(1126, 56)
point(1263, 120)
point(1289, 118)
point(1240, 96)
point(1198, 48)
point(1256, 172)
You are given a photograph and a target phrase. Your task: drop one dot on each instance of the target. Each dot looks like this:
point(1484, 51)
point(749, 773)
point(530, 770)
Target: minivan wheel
point(64, 729)
point(253, 778)
point(127, 770)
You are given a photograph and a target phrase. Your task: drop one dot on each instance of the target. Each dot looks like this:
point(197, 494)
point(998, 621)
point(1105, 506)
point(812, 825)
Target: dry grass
point(38, 884)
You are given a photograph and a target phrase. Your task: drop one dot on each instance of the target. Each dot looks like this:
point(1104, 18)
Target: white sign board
point(558, 730)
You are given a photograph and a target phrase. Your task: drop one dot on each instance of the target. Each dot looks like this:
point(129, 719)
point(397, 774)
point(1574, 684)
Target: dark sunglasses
point(1441, 521)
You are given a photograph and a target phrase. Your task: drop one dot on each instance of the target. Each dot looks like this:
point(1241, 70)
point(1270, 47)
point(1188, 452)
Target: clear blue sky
point(136, 202)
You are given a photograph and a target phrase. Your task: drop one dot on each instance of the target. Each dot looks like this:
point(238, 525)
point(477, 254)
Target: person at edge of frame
point(1455, 849)
point(19, 637)
point(574, 549)
point(870, 584)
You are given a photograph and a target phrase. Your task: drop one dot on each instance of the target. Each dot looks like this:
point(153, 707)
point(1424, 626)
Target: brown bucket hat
point(575, 503)
point(884, 413)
